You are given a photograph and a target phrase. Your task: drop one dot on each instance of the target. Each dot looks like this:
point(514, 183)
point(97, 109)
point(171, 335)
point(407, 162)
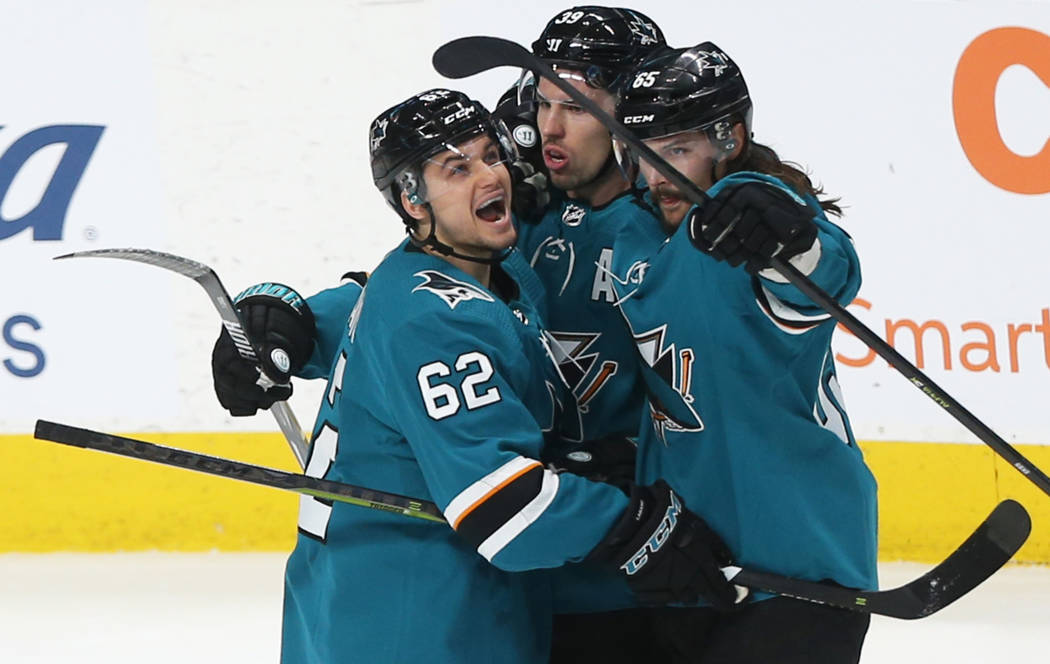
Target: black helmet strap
point(431, 241)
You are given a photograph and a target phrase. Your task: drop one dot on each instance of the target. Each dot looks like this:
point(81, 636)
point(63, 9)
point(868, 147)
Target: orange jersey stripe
point(493, 491)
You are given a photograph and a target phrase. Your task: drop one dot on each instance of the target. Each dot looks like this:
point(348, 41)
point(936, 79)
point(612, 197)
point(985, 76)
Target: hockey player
point(745, 415)
point(449, 386)
point(592, 48)
point(570, 247)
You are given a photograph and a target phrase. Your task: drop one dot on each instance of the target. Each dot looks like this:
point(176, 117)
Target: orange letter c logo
point(973, 103)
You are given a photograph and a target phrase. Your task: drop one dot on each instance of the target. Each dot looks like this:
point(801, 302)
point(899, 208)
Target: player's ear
point(414, 210)
point(417, 211)
point(739, 140)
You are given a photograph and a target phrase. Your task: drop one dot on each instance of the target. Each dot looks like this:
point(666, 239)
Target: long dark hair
point(764, 159)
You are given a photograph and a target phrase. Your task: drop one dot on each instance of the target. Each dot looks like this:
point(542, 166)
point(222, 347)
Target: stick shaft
point(237, 470)
point(220, 298)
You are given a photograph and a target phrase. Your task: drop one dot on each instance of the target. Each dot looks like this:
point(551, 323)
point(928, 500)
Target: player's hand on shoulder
point(280, 324)
point(668, 554)
point(749, 223)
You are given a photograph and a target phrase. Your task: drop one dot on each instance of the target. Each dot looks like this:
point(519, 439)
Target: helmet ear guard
point(411, 184)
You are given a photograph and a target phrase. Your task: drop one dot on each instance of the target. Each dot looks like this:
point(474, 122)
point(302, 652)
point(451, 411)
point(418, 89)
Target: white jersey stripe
point(520, 521)
point(781, 313)
point(476, 493)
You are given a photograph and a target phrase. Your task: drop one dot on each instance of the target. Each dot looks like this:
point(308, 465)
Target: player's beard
point(581, 183)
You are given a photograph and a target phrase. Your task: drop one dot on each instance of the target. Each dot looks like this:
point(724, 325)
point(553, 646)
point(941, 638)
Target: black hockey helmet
point(603, 43)
point(698, 88)
point(404, 136)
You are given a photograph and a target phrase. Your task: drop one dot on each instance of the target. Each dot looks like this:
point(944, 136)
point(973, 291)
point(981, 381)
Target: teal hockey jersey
point(571, 250)
point(745, 417)
point(331, 309)
point(441, 390)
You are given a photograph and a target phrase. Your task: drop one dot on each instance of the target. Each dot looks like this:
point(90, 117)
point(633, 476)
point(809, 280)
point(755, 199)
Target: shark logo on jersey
point(451, 291)
point(674, 367)
point(553, 249)
point(573, 215)
point(636, 273)
point(575, 364)
point(565, 412)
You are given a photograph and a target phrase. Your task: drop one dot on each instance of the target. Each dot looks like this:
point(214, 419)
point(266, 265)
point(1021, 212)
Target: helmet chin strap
point(440, 247)
point(609, 164)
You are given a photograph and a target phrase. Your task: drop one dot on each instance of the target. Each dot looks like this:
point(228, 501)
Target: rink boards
point(930, 497)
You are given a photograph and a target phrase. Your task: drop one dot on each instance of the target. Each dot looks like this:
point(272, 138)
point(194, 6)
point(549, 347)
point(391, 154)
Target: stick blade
point(45, 430)
point(467, 56)
point(990, 546)
point(184, 266)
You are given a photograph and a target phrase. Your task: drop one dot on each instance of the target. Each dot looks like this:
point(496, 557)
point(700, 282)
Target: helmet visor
point(457, 164)
point(691, 153)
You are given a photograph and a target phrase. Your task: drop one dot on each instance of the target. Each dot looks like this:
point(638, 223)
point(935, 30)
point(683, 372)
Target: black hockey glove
point(750, 223)
point(668, 554)
point(520, 120)
point(530, 196)
point(359, 278)
point(610, 459)
point(281, 324)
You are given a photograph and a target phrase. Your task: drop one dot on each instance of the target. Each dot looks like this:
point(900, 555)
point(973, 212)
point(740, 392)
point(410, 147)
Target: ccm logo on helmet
point(637, 119)
point(461, 113)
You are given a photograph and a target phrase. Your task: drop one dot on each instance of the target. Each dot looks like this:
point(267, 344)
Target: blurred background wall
point(233, 133)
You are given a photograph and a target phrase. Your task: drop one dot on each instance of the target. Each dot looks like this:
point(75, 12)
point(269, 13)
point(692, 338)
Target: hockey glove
point(519, 116)
point(358, 277)
point(668, 554)
point(750, 223)
point(610, 459)
point(281, 325)
point(530, 196)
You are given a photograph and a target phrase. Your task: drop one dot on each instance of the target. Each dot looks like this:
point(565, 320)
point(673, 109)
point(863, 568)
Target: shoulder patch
point(451, 291)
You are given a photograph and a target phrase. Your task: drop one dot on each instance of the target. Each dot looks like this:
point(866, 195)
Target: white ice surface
point(226, 608)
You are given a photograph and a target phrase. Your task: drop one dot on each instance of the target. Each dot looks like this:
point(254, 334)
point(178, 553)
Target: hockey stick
point(467, 56)
point(279, 479)
point(984, 552)
point(209, 281)
point(994, 542)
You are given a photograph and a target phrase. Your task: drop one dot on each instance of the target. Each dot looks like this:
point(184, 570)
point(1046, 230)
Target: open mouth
point(492, 209)
point(666, 198)
point(555, 158)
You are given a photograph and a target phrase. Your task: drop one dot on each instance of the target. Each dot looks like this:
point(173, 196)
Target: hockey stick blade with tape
point(209, 281)
point(472, 55)
point(990, 546)
point(985, 551)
